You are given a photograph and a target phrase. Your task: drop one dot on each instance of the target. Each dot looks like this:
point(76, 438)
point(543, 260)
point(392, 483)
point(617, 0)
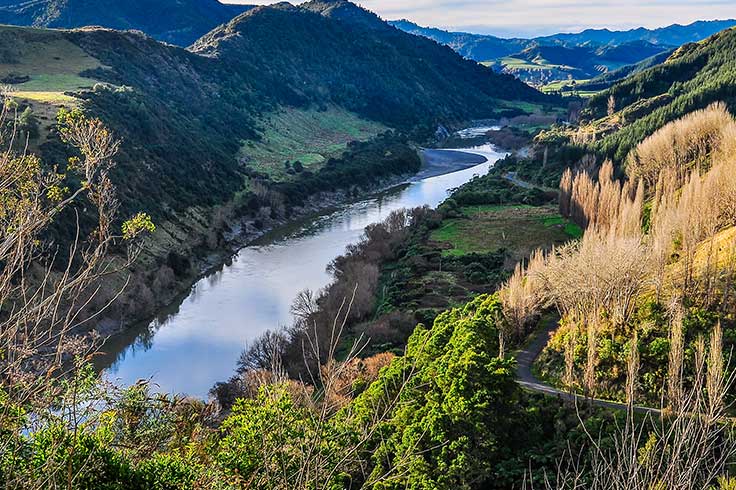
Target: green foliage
point(308, 138)
point(95, 462)
point(28, 124)
point(362, 164)
point(693, 78)
point(55, 453)
point(493, 189)
point(460, 421)
point(652, 326)
point(453, 422)
point(140, 441)
point(273, 440)
point(169, 471)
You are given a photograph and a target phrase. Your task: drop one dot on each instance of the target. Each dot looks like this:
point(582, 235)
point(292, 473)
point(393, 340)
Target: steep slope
point(185, 116)
point(178, 22)
point(692, 78)
point(338, 52)
point(540, 64)
point(605, 80)
point(629, 52)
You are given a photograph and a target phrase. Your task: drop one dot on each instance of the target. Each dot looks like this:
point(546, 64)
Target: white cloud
point(532, 17)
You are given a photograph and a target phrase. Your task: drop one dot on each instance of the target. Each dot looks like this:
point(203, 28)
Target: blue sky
point(539, 17)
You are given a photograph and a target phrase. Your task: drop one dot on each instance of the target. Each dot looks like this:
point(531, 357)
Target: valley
point(259, 283)
point(582, 63)
point(302, 247)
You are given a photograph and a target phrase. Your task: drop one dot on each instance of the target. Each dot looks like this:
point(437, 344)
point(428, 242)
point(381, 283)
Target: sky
point(528, 18)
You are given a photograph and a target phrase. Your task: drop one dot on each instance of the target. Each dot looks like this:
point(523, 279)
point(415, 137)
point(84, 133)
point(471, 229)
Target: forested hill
point(178, 22)
point(186, 116)
point(338, 52)
point(695, 76)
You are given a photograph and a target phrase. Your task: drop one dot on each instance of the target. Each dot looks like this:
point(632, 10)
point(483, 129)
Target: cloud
point(535, 17)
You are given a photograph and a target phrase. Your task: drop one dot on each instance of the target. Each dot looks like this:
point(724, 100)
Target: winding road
point(525, 358)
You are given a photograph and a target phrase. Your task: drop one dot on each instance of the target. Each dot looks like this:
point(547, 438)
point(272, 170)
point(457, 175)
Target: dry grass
point(683, 146)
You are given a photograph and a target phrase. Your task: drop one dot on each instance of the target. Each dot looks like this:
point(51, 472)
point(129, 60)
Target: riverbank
point(253, 291)
point(439, 162)
point(242, 231)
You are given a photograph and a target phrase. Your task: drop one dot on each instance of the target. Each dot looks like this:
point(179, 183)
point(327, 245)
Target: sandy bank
point(439, 162)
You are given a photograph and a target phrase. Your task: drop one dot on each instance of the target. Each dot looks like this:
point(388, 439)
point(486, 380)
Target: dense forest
point(180, 23)
point(562, 322)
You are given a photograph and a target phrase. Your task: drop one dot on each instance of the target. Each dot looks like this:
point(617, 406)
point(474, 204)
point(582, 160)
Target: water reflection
point(197, 341)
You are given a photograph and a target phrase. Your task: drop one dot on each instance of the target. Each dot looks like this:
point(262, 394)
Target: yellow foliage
point(138, 224)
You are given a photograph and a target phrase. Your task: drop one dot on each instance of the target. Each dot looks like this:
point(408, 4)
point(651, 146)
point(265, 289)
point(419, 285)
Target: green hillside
point(556, 59)
point(178, 22)
point(605, 80)
point(350, 57)
point(195, 110)
point(695, 76)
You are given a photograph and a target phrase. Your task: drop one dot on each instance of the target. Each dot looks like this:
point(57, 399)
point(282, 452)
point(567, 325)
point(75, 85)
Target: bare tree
point(46, 287)
point(611, 105)
point(682, 146)
point(522, 298)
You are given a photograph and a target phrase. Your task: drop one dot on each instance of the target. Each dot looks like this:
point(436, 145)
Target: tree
point(45, 287)
point(688, 447)
point(454, 418)
point(28, 126)
point(611, 105)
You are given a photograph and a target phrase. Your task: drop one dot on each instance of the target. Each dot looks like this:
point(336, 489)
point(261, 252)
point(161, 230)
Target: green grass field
point(568, 89)
point(520, 64)
point(51, 64)
point(55, 82)
point(308, 136)
point(528, 107)
point(537, 64)
point(518, 229)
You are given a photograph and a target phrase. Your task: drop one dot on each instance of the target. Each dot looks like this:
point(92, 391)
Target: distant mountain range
point(584, 55)
point(672, 35)
point(538, 61)
point(694, 76)
point(179, 22)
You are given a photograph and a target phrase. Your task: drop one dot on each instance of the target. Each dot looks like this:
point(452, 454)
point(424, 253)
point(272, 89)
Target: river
point(197, 341)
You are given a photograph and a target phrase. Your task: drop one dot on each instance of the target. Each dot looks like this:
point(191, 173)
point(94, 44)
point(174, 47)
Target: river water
point(197, 341)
